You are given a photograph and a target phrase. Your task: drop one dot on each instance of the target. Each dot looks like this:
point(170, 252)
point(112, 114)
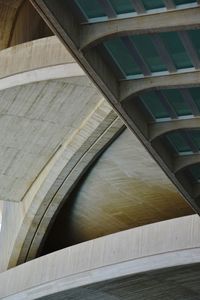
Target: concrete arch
point(71, 78)
point(78, 154)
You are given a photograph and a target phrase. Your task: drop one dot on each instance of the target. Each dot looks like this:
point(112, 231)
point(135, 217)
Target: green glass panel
point(122, 6)
point(195, 136)
point(195, 171)
point(180, 2)
point(153, 103)
point(195, 38)
point(178, 142)
point(153, 4)
point(176, 100)
point(146, 48)
point(122, 57)
point(176, 50)
point(91, 8)
point(195, 92)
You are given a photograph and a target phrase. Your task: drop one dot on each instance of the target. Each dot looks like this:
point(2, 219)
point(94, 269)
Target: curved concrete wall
point(37, 117)
point(148, 248)
point(19, 23)
point(123, 189)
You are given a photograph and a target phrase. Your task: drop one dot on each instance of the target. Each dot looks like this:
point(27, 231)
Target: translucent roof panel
point(153, 4)
point(195, 92)
point(98, 10)
point(181, 2)
point(141, 55)
point(194, 36)
point(154, 105)
point(176, 100)
point(195, 136)
point(178, 142)
point(91, 8)
point(172, 103)
point(122, 6)
point(146, 48)
point(176, 50)
point(122, 57)
point(195, 172)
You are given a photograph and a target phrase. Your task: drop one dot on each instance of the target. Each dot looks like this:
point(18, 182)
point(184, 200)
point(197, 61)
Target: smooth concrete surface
point(152, 247)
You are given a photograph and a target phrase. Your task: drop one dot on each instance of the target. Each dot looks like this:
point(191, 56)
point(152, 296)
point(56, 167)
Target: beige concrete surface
point(166, 244)
point(19, 23)
point(124, 189)
point(36, 119)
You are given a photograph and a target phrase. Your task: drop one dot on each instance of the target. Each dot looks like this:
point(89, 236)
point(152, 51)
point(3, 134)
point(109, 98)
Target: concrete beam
point(185, 161)
point(172, 20)
point(130, 88)
point(158, 129)
point(84, 263)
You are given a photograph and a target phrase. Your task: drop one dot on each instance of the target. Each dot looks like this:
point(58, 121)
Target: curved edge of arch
point(59, 177)
point(32, 56)
point(82, 264)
